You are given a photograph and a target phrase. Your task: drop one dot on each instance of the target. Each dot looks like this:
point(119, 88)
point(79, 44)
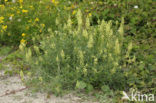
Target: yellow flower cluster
point(4, 27)
point(36, 19)
point(23, 41)
point(20, 1)
point(2, 6)
point(1, 19)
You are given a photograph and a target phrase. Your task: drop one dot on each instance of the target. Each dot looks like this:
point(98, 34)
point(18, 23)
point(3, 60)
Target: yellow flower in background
point(65, 7)
point(89, 14)
point(20, 1)
point(24, 11)
point(9, 34)
point(87, 11)
point(43, 25)
point(1, 19)
point(23, 34)
point(12, 15)
point(73, 6)
point(30, 21)
point(6, 0)
point(31, 6)
point(55, 2)
point(27, 27)
point(18, 12)
point(2, 6)
point(52, 1)
point(21, 7)
point(74, 12)
point(23, 41)
point(4, 27)
point(36, 19)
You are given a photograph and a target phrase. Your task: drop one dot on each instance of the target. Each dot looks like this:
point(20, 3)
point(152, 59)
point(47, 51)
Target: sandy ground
point(12, 90)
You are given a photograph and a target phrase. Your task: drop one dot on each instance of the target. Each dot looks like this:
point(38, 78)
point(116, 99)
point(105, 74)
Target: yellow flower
point(4, 27)
point(2, 6)
point(55, 2)
point(36, 19)
point(89, 14)
point(23, 34)
point(100, 2)
point(1, 19)
point(74, 12)
point(1, 31)
point(20, 1)
point(23, 41)
point(12, 15)
point(24, 11)
point(87, 11)
point(30, 21)
point(18, 12)
point(43, 25)
point(9, 34)
point(31, 6)
point(72, 7)
point(27, 27)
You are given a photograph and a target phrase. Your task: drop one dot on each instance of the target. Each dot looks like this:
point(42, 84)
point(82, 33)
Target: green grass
point(5, 50)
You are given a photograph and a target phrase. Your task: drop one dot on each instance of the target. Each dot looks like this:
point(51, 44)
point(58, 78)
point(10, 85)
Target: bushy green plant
point(81, 57)
point(84, 53)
